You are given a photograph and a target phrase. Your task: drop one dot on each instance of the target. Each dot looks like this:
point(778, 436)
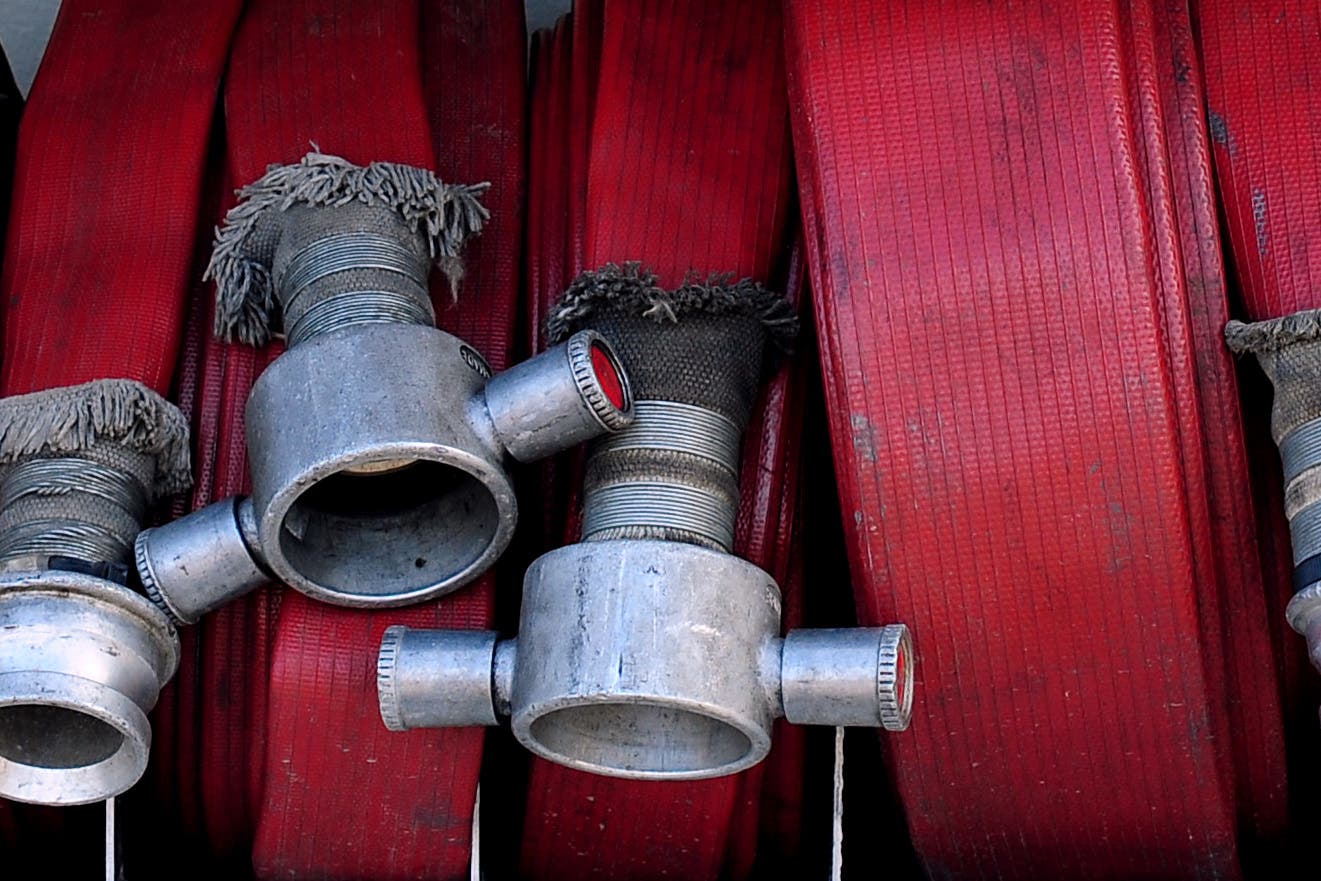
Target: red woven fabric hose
point(300, 769)
point(98, 258)
point(1041, 465)
point(101, 232)
point(687, 171)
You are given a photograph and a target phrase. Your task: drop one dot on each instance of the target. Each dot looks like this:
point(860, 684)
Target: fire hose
point(305, 789)
point(1261, 118)
point(1013, 245)
point(95, 274)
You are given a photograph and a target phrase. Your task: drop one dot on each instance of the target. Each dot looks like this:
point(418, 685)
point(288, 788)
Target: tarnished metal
point(1300, 449)
point(373, 485)
point(1304, 614)
point(345, 252)
point(679, 428)
point(649, 660)
point(85, 660)
point(83, 539)
point(557, 400)
point(378, 462)
point(656, 499)
point(848, 676)
point(431, 678)
point(660, 505)
point(356, 308)
point(1305, 532)
point(198, 563)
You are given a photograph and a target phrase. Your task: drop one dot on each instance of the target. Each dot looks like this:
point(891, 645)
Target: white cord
point(837, 842)
point(475, 861)
point(111, 870)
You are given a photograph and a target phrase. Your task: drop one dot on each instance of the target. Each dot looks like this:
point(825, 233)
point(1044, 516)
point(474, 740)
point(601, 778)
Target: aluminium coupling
point(379, 457)
point(649, 660)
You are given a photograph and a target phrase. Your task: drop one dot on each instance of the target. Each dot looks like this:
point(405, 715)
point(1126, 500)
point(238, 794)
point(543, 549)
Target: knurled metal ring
point(386, 659)
point(148, 579)
point(580, 347)
point(894, 678)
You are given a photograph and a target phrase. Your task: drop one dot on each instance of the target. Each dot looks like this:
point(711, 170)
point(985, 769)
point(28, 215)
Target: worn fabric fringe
point(73, 419)
point(1273, 334)
point(446, 214)
point(630, 288)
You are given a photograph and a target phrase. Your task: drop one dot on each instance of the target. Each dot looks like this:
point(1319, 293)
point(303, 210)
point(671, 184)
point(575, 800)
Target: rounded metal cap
point(562, 397)
point(436, 678)
point(198, 563)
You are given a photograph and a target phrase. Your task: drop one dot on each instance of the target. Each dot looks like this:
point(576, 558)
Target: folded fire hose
point(95, 274)
point(1078, 349)
point(614, 66)
point(712, 172)
point(1013, 257)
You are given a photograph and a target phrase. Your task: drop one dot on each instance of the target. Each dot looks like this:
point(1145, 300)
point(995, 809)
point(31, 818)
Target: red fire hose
point(301, 769)
point(687, 171)
point(1039, 454)
point(100, 252)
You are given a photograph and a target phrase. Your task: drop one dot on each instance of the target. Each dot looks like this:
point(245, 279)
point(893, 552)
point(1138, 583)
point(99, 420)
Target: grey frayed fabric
point(1289, 352)
point(80, 464)
point(1273, 334)
point(410, 204)
point(101, 415)
point(629, 289)
point(705, 344)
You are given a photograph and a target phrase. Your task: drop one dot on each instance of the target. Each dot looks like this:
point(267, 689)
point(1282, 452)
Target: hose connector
point(82, 657)
point(647, 660)
point(1289, 351)
point(648, 650)
point(378, 445)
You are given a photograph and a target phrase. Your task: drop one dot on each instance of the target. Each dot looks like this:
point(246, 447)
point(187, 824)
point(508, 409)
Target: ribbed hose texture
point(1040, 459)
point(104, 214)
point(97, 258)
point(11, 109)
point(687, 171)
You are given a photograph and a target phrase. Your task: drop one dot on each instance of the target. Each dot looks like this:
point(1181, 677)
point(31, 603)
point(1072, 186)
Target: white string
point(475, 861)
point(111, 870)
point(837, 842)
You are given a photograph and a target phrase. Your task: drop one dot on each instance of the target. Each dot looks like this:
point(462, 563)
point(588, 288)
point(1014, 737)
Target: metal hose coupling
point(377, 444)
point(648, 650)
point(82, 656)
point(1289, 351)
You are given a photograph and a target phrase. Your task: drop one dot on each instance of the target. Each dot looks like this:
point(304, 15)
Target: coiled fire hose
point(579, 824)
point(95, 274)
point(303, 796)
point(665, 62)
point(1012, 245)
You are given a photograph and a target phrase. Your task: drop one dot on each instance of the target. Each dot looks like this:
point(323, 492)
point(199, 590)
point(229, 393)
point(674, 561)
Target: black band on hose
point(116, 572)
point(1307, 573)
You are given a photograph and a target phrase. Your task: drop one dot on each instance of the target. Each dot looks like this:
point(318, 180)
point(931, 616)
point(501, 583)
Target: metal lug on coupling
point(859, 676)
point(200, 562)
point(85, 660)
point(624, 666)
point(569, 394)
